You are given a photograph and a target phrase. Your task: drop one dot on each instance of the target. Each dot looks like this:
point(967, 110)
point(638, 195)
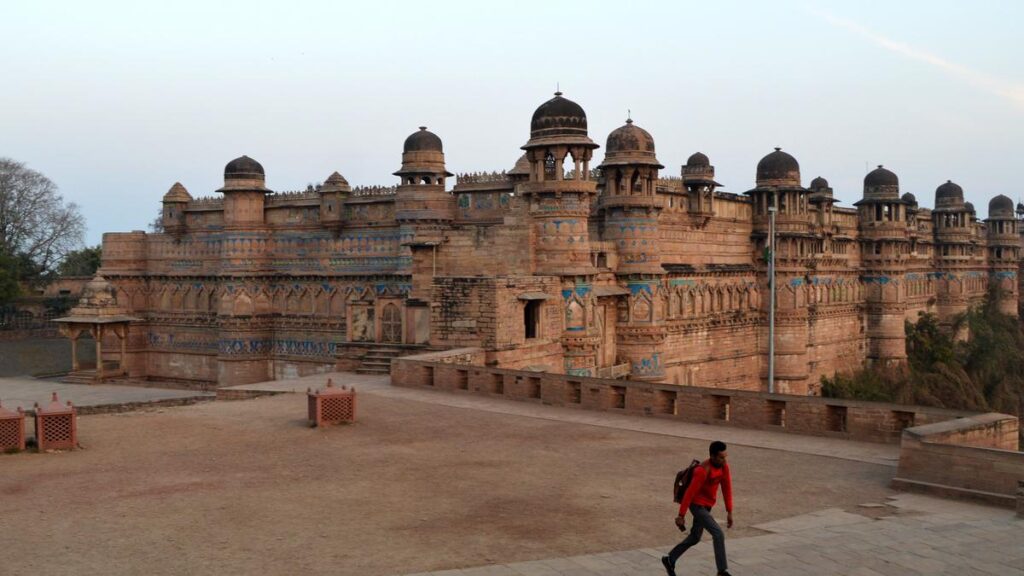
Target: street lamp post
point(771, 299)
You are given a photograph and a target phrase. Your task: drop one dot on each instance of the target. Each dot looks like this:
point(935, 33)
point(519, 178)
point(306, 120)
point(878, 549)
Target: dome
point(881, 184)
point(335, 183)
point(630, 144)
point(558, 117)
point(698, 159)
point(177, 193)
point(422, 141)
point(336, 178)
point(819, 183)
point(1000, 207)
point(909, 198)
point(629, 138)
point(881, 177)
point(778, 169)
point(244, 168)
point(969, 207)
point(949, 195)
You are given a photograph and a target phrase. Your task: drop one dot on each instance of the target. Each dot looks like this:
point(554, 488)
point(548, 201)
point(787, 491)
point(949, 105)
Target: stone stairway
point(378, 360)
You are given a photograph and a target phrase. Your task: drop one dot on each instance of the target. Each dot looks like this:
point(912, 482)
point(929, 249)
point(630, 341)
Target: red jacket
point(703, 489)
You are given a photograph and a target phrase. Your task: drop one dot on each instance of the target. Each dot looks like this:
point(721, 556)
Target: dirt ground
point(247, 488)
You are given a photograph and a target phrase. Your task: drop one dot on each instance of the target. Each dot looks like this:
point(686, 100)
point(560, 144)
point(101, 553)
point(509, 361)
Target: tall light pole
point(771, 299)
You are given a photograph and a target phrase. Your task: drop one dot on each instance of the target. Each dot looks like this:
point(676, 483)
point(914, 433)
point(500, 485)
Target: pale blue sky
point(115, 101)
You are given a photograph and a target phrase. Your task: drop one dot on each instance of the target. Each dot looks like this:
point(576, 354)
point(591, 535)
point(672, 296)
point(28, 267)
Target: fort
point(557, 264)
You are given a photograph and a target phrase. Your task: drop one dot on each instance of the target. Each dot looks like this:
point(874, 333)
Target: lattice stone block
point(331, 405)
point(56, 426)
point(12, 429)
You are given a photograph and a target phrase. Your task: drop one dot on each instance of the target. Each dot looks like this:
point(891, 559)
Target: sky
point(117, 101)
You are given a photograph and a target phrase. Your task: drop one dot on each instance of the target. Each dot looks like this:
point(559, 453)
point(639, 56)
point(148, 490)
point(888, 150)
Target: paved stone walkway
point(909, 535)
point(885, 454)
point(24, 392)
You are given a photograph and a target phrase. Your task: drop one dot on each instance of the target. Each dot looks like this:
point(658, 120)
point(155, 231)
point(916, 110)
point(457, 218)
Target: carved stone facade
point(552, 265)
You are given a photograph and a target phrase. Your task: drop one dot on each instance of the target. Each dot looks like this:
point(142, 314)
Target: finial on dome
point(423, 127)
point(879, 165)
point(778, 149)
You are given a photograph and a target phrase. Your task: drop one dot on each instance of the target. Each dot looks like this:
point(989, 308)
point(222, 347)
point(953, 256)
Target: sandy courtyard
point(247, 488)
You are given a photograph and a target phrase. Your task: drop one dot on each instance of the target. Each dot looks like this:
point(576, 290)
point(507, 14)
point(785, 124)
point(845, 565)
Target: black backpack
point(683, 479)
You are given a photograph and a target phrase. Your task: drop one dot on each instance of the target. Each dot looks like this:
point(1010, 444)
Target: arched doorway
point(391, 324)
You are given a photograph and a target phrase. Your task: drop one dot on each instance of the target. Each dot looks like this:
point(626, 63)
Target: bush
point(983, 372)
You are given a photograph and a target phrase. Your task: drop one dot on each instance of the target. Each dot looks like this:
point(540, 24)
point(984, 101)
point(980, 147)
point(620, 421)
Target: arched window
point(391, 324)
point(549, 166)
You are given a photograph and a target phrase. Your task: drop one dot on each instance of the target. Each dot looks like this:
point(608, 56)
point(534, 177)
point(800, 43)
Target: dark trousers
point(703, 520)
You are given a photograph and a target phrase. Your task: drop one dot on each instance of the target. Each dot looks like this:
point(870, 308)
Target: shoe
point(724, 573)
point(667, 563)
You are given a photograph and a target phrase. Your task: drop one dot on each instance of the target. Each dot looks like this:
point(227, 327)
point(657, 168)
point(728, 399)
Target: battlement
point(482, 177)
point(206, 203)
point(366, 191)
point(283, 198)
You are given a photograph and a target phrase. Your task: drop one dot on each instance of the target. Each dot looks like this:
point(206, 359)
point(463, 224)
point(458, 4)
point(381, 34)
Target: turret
point(175, 202)
point(244, 191)
point(559, 192)
point(778, 186)
point(630, 206)
point(630, 203)
point(1003, 253)
point(954, 232)
point(560, 189)
point(333, 193)
point(422, 205)
point(699, 181)
point(885, 242)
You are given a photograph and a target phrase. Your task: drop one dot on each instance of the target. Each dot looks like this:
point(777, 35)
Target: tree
point(35, 223)
point(157, 225)
point(9, 289)
point(82, 262)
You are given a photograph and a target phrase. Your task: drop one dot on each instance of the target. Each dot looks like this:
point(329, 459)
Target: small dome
point(629, 138)
point(177, 193)
point(558, 117)
point(778, 169)
point(334, 183)
point(698, 159)
point(336, 178)
point(1000, 207)
point(819, 183)
point(97, 293)
point(909, 198)
point(881, 177)
point(969, 207)
point(423, 140)
point(949, 195)
point(244, 168)
point(1020, 208)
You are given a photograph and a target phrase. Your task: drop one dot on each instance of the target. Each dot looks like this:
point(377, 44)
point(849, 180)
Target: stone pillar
point(98, 334)
point(74, 352)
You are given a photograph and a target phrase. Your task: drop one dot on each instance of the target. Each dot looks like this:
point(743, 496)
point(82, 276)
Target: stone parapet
point(976, 457)
point(810, 415)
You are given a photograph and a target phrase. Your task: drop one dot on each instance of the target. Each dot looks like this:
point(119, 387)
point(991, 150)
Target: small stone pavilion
point(99, 316)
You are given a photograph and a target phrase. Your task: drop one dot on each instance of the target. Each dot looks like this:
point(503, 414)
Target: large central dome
point(558, 117)
point(778, 169)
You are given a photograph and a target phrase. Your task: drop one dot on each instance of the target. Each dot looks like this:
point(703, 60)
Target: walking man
point(700, 497)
